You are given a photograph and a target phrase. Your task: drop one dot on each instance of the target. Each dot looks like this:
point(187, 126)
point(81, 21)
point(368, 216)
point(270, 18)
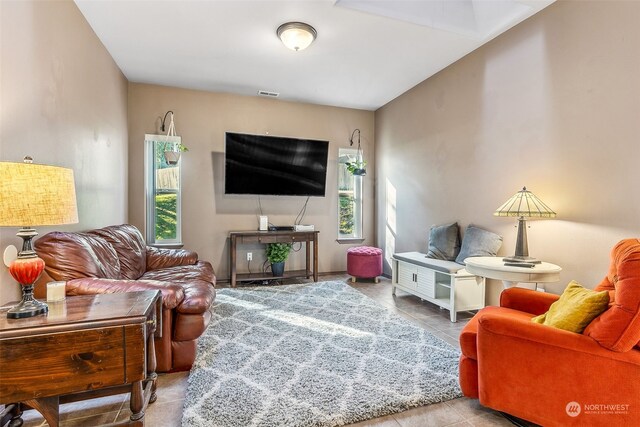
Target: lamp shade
point(525, 204)
point(34, 195)
point(296, 35)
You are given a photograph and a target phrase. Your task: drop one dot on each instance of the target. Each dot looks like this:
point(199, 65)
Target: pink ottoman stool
point(364, 262)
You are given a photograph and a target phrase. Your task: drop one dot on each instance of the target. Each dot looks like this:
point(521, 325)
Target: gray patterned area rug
point(317, 354)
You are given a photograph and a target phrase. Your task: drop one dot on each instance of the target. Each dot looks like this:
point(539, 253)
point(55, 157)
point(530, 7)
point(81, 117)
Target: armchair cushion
point(618, 328)
point(575, 309)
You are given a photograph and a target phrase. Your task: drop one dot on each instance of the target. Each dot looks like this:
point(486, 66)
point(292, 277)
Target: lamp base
point(28, 307)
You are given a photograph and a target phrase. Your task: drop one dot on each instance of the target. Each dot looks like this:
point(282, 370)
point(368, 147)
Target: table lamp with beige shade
point(33, 195)
point(524, 204)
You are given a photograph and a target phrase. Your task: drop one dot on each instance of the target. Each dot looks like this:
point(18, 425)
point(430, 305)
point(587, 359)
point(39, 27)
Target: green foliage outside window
point(346, 214)
point(166, 216)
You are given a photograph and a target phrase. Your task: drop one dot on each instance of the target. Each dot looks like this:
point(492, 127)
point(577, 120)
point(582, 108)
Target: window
point(349, 198)
point(162, 185)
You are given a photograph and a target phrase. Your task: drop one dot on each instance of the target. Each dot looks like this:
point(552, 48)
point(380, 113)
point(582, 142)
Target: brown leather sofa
point(116, 259)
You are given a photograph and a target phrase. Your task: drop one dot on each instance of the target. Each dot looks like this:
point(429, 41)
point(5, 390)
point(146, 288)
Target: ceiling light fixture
point(296, 35)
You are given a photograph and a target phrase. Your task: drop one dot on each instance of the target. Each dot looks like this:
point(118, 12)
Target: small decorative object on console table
point(524, 204)
point(33, 195)
point(494, 268)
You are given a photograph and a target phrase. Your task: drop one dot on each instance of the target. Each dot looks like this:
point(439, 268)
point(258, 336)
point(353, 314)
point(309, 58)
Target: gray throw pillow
point(444, 242)
point(478, 242)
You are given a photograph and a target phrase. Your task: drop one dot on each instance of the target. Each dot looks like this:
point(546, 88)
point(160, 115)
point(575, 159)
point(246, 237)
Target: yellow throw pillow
point(575, 309)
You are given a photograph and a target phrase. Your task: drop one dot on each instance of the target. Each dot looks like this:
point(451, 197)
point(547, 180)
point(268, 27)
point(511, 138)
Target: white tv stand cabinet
point(444, 283)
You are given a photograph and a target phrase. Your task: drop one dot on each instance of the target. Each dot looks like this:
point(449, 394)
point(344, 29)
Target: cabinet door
point(407, 275)
point(426, 281)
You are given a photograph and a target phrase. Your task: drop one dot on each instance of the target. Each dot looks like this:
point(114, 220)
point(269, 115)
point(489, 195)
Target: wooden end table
point(85, 347)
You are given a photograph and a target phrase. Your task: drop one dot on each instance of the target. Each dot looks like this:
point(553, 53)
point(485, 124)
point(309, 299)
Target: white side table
point(494, 268)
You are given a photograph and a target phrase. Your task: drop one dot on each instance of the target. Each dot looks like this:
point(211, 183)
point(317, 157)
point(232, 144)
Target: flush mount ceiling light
point(296, 35)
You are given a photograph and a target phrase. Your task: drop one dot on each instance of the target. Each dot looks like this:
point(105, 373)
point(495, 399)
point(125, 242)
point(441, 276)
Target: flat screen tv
point(272, 165)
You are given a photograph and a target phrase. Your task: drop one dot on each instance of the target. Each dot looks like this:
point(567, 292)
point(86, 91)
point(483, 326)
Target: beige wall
point(208, 214)
point(552, 104)
point(63, 101)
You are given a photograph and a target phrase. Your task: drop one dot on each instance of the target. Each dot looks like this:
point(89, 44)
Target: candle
point(56, 291)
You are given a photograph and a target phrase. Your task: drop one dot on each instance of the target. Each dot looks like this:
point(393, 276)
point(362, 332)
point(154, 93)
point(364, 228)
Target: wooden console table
point(86, 346)
point(251, 237)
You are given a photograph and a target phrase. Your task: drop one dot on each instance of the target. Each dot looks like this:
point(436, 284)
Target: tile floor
point(167, 410)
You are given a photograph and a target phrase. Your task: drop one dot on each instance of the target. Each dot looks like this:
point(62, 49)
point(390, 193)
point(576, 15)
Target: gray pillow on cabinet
point(444, 242)
point(478, 242)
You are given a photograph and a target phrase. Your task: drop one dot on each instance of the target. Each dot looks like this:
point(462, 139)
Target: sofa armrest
point(527, 300)
point(172, 295)
point(163, 258)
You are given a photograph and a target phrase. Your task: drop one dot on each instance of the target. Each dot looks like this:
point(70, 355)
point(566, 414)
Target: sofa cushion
point(618, 328)
point(444, 242)
point(575, 309)
point(130, 247)
point(478, 242)
point(70, 256)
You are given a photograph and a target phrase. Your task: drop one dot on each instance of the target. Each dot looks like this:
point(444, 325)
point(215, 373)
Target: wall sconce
point(358, 167)
point(296, 35)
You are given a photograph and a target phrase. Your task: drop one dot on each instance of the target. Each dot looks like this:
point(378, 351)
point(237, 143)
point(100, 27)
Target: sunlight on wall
point(390, 220)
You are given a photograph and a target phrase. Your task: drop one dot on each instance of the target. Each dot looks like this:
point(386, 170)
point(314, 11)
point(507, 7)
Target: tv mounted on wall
point(273, 165)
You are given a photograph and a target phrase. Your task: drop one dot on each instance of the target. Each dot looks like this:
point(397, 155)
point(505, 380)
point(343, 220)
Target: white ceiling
point(367, 52)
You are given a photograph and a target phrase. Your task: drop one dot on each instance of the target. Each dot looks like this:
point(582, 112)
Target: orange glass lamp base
point(26, 270)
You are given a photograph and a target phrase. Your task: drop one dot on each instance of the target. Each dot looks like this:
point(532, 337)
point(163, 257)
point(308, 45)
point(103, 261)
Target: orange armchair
point(553, 377)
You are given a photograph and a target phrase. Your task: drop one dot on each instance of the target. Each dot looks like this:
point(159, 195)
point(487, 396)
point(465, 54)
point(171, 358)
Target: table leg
point(308, 264)
point(232, 261)
point(49, 407)
point(151, 363)
point(136, 401)
point(315, 258)
point(13, 410)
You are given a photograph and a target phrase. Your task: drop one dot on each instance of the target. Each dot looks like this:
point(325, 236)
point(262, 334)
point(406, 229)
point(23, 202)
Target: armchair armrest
point(172, 295)
point(524, 366)
point(527, 300)
point(163, 258)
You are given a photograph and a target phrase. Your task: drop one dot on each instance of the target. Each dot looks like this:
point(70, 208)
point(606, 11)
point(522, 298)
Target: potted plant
point(277, 254)
point(172, 152)
point(357, 167)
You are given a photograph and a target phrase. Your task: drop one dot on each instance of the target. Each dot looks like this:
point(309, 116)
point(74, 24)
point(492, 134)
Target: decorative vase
point(277, 268)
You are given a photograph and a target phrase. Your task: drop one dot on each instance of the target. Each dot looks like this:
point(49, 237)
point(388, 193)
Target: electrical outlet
point(249, 256)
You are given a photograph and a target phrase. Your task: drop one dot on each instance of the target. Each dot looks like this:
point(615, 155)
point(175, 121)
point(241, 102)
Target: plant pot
point(172, 157)
point(360, 172)
point(277, 268)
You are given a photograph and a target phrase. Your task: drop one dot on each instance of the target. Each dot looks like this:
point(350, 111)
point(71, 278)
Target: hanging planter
point(358, 167)
point(173, 146)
